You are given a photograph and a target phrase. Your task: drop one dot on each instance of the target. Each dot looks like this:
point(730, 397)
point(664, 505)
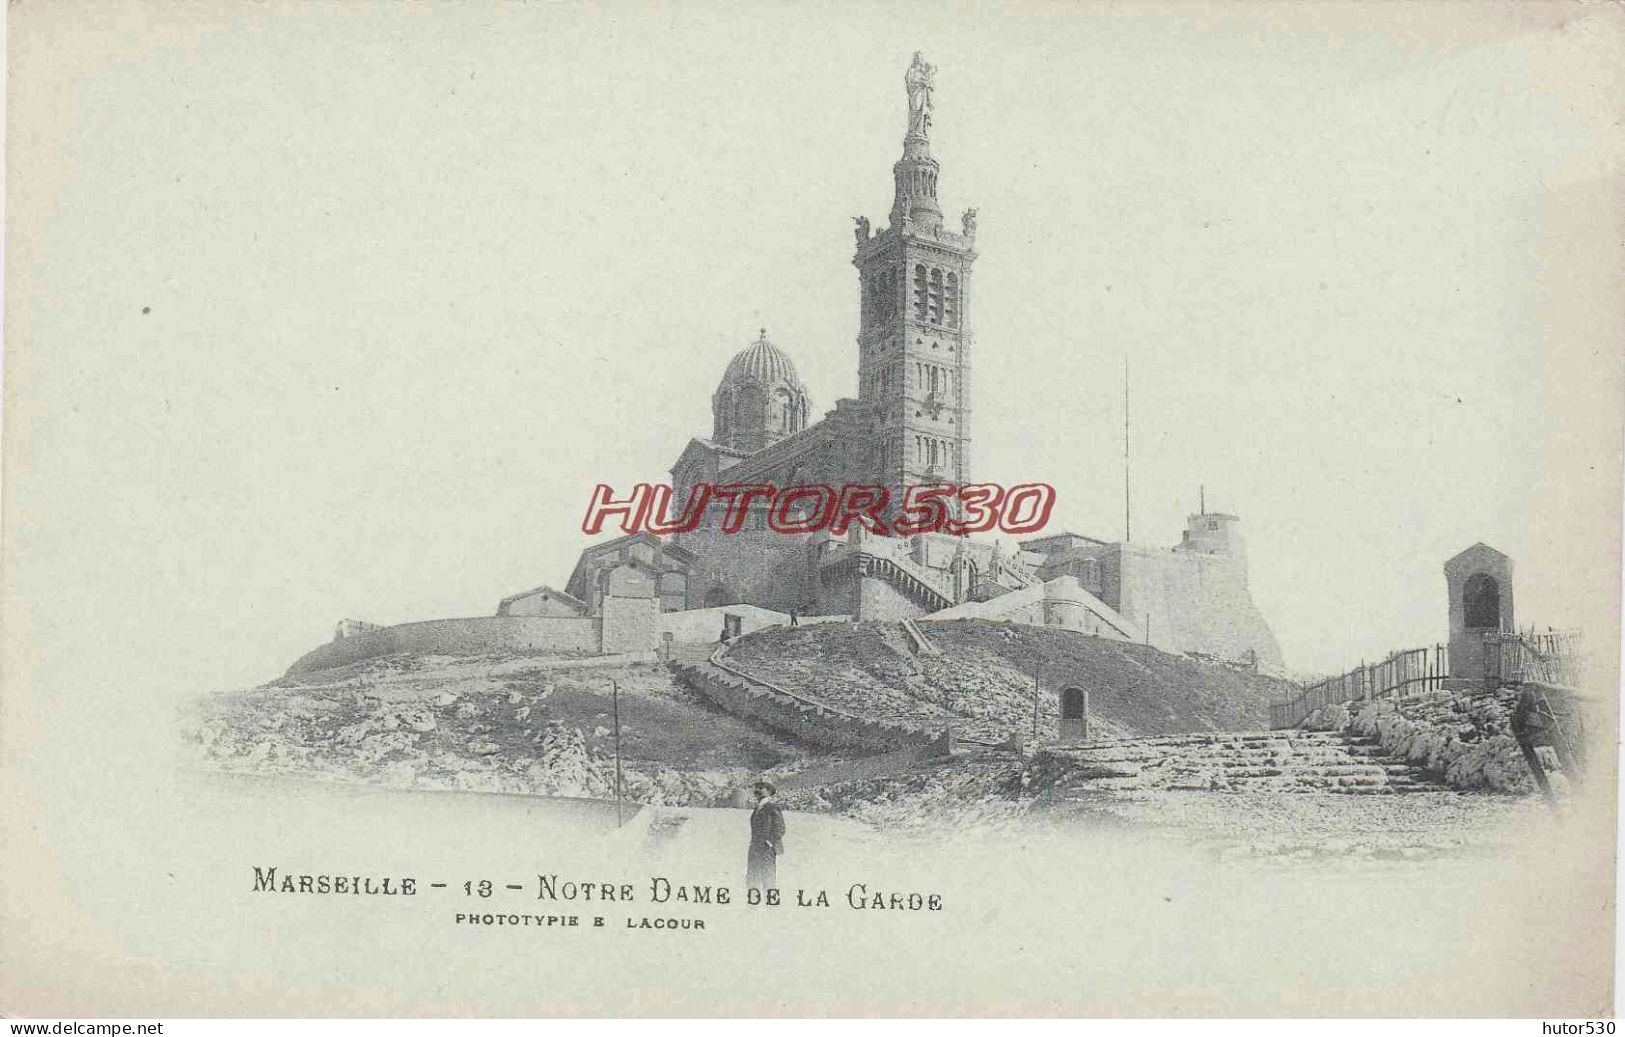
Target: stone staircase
point(1265, 761)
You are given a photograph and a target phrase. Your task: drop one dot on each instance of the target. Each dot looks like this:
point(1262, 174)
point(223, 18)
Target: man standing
point(766, 838)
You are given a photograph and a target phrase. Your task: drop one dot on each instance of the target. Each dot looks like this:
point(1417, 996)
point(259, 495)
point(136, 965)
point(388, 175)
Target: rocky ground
point(515, 724)
point(998, 792)
point(536, 726)
point(1465, 739)
point(983, 680)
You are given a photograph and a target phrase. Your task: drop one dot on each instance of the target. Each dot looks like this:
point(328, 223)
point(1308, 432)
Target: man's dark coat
point(766, 843)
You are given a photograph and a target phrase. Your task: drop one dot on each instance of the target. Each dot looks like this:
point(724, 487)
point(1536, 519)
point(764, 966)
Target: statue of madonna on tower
point(920, 81)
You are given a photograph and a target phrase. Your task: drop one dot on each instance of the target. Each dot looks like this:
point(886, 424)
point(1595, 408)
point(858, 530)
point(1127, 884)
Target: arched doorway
point(1072, 704)
point(1481, 603)
point(1074, 713)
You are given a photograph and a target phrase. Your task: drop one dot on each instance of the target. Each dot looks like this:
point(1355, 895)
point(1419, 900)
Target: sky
point(340, 311)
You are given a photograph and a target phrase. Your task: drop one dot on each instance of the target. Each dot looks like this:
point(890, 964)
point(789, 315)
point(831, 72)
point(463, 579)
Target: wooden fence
point(1513, 657)
point(1551, 658)
point(1402, 673)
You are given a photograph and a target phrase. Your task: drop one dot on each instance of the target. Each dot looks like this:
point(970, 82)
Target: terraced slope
point(982, 678)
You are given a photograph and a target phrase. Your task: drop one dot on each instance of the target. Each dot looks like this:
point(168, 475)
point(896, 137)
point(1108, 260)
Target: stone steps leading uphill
point(1277, 761)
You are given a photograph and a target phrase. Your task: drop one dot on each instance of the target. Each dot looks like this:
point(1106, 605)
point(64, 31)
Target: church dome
point(761, 399)
point(763, 363)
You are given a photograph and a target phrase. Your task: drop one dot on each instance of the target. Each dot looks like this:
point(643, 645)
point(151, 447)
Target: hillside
point(983, 679)
point(543, 725)
point(520, 724)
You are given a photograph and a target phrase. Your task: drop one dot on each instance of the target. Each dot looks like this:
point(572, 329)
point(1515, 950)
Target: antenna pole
point(1128, 528)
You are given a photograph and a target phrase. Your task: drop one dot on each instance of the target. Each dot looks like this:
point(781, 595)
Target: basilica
point(910, 424)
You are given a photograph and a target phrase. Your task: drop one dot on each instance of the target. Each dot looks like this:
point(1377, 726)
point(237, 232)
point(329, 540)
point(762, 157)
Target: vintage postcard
point(525, 509)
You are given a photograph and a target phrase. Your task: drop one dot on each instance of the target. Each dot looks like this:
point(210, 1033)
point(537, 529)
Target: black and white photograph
point(805, 510)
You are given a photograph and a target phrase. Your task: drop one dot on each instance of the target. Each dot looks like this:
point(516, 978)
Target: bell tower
point(914, 339)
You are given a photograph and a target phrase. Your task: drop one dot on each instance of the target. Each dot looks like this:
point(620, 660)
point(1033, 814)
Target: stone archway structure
point(1074, 713)
point(1478, 582)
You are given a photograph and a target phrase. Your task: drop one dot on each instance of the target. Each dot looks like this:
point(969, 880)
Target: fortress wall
point(799, 720)
point(880, 601)
point(704, 626)
point(759, 566)
point(1073, 613)
point(1060, 602)
point(629, 625)
point(1194, 602)
point(475, 636)
point(840, 596)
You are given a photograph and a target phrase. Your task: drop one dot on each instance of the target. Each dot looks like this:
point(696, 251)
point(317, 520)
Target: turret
point(1214, 533)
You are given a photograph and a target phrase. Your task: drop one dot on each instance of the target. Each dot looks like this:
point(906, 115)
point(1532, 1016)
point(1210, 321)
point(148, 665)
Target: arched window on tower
point(919, 292)
point(935, 298)
point(725, 408)
point(784, 410)
point(950, 300)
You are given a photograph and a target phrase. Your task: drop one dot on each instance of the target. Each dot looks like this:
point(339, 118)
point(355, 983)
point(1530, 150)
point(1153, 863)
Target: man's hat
point(765, 784)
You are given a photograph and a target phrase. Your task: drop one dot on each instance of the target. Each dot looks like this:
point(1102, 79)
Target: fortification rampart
point(1191, 601)
point(759, 566)
point(1060, 602)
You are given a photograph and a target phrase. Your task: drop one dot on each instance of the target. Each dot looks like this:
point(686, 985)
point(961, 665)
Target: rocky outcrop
point(1256, 761)
point(1464, 741)
point(493, 725)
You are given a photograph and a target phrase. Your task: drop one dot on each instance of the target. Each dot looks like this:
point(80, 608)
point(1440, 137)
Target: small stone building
point(664, 565)
point(542, 601)
point(1478, 582)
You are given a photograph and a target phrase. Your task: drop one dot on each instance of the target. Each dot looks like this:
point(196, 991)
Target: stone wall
point(543, 601)
point(1464, 740)
point(757, 566)
point(629, 624)
point(1191, 601)
point(704, 626)
point(474, 636)
point(840, 594)
point(1060, 602)
point(879, 601)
